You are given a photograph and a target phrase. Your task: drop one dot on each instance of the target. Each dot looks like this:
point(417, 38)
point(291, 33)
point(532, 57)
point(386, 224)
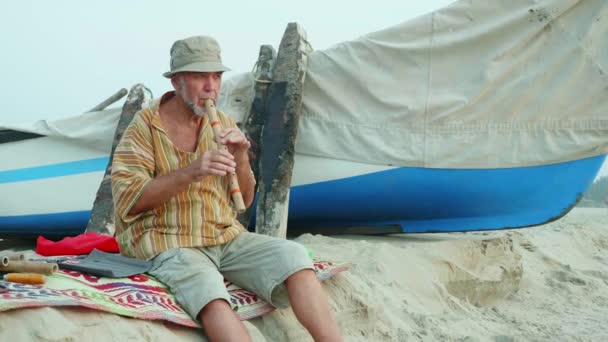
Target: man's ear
point(175, 79)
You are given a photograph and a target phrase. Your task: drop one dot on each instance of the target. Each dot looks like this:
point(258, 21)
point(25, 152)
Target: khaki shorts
point(255, 262)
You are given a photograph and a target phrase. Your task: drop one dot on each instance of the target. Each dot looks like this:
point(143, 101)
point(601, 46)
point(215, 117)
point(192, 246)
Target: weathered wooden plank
point(102, 215)
point(254, 122)
point(277, 141)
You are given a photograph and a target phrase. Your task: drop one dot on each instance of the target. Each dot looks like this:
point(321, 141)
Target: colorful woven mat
point(139, 296)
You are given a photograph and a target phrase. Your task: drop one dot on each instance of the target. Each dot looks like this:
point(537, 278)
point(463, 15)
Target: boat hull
point(48, 185)
point(56, 199)
point(444, 200)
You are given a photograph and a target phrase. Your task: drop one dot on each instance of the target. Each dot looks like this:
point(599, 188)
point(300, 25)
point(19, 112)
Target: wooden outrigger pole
point(273, 126)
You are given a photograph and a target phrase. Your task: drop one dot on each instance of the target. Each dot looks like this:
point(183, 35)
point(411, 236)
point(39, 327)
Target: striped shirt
point(200, 216)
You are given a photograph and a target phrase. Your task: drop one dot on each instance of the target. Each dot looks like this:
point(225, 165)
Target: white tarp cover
point(236, 96)
point(478, 84)
point(93, 129)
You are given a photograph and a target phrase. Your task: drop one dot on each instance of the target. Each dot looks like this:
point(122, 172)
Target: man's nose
point(208, 84)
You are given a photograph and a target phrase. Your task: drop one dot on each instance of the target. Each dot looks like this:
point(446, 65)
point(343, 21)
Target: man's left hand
point(235, 141)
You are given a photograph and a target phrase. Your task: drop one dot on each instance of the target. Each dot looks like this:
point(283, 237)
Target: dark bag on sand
point(103, 264)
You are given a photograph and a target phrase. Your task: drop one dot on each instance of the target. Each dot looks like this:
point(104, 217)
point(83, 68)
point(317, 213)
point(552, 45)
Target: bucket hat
point(196, 54)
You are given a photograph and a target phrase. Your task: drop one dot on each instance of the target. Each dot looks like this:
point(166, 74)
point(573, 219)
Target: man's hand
point(236, 142)
point(212, 163)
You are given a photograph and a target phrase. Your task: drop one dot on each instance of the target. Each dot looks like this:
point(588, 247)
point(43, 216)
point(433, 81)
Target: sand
point(544, 283)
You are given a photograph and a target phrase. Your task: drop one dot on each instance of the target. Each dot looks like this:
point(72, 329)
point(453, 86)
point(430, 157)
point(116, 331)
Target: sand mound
point(542, 283)
point(401, 285)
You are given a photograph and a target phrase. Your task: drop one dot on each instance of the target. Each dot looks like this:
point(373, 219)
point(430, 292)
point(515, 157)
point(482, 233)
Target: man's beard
point(197, 110)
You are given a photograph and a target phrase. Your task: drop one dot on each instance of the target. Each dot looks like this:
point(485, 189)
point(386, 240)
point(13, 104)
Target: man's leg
point(309, 303)
point(280, 271)
point(199, 288)
point(221, 323)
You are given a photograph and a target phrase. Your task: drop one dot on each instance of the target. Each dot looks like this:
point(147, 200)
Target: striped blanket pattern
point(140, 296)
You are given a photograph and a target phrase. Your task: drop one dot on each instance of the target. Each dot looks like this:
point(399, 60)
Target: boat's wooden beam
point(115, 97)
point(102, 215)
point(254, 122)
point(276, 146)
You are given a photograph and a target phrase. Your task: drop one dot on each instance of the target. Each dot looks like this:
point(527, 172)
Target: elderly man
point(172, 206)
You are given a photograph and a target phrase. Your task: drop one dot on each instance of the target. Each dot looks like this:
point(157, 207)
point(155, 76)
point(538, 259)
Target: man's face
point(195, 87)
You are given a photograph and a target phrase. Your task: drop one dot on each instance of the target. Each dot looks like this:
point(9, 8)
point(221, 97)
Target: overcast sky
point(62, 57)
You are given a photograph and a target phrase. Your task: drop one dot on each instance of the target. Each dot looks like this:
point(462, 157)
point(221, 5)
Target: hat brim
point(198, 67)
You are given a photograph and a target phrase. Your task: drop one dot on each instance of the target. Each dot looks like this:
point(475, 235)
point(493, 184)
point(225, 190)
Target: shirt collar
point(156, 122)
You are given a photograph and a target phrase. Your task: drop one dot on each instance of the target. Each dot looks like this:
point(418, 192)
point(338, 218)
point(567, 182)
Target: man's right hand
point(212, 163)
point(215, 162)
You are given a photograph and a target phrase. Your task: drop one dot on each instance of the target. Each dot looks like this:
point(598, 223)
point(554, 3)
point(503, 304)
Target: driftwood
point(102, 215)
point(253, 124)
point(117, 96)
point(279, 117)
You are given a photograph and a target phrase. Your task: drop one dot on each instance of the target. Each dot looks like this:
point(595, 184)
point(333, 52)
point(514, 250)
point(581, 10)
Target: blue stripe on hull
point(58, 224)
point(441, 200)
point(54, 170)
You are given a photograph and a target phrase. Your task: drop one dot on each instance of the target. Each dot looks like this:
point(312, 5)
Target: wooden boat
point(393, 136)
point(48, 185)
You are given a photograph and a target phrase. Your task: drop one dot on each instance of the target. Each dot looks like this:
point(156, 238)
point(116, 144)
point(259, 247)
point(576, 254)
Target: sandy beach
point(544, 283)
